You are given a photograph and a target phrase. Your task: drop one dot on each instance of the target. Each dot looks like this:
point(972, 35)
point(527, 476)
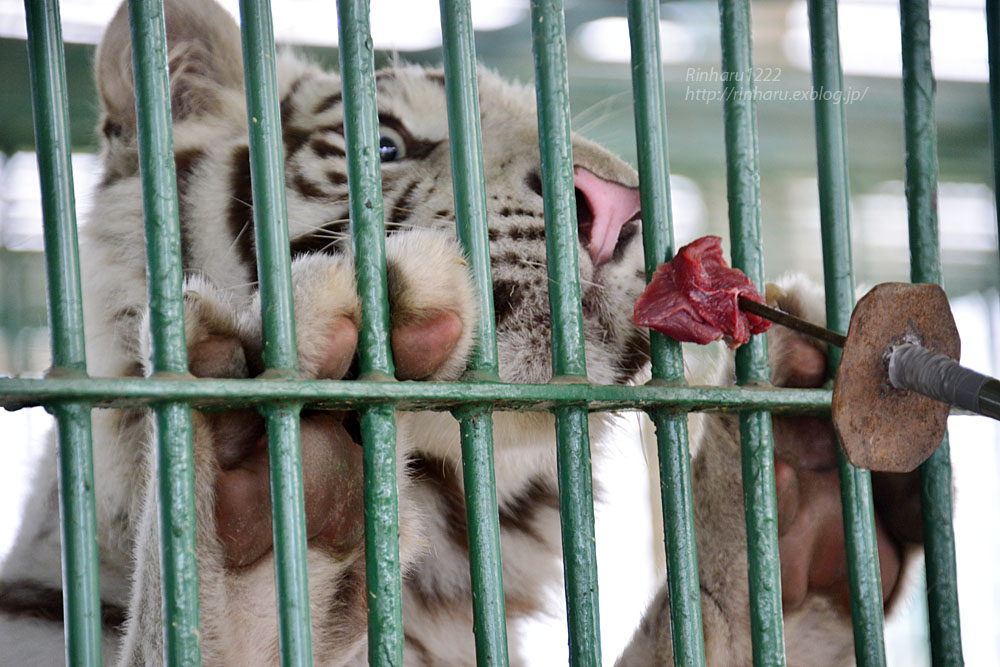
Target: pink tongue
point(612, 205)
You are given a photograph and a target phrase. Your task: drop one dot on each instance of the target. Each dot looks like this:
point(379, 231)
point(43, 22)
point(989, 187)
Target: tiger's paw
point(432, 316)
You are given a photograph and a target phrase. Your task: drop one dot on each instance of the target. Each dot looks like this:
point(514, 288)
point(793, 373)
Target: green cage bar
point(164, 278)
point(925, 267)
point(378, 423)
point(233, 393)
point(743, 185)
point(267, 177)
point(858, 508)
point(576, 500)
point(81, 589)
point(476, 423)
point(993, 38)
point(668, 363)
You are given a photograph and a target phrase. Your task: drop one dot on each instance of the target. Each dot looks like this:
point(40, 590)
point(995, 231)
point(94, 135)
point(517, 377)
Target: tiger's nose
point(602, 209)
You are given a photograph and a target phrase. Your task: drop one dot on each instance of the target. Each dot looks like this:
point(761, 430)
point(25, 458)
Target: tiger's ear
point(206, 64)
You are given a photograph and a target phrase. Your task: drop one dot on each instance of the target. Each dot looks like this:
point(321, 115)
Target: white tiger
point(433, 314)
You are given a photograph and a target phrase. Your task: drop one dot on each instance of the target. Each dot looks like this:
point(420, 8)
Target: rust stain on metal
point(881, 427)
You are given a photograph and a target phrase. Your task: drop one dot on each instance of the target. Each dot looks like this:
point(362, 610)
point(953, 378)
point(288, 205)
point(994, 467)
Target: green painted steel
point(81, 590)
point(466, 140)
point(378, 426)
point(267, 177)
point(385, 611)
point(743, 185)
point(558, 191)
point(482, 519)
point(993, 38)
point(361, 135)
point(576, 501)
point(857, 505)
point(164, 272)
point(280, 355)
point(179, 564)
point(482, 515)
point(925, 267)
point(863, 572)
point(164, 278)
point(576, 510)
point(51, 116)
point(230, 393)
point(288, 525)
point(668, 363)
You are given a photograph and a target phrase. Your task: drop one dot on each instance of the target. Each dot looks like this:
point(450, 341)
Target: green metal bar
point(267, 177)
point(576, 503)
point(465, 136)
point(378, 426)
point(668, 363)
point(925, 266)
point(55, 166)
point(179, 565)
point(81, 589)
point(385, 611)
point(834, 197)
point(558, 191)
point(576, 509)
point(482, 516)
point(993, 37)
point(165, 275)
point(211, 393)
point(288, 519)
point(164, 278)
point(743, 181)
point(361, 134)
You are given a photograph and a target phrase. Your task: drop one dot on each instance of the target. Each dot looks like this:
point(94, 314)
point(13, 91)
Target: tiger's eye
point(387, 149)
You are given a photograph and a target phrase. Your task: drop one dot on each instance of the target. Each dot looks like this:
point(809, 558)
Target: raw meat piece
point(694, 298)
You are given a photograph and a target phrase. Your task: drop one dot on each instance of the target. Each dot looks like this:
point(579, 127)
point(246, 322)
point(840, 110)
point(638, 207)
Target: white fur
point(237, 606)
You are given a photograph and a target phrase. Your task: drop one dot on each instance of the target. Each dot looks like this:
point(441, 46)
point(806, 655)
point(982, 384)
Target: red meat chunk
point(694, 298)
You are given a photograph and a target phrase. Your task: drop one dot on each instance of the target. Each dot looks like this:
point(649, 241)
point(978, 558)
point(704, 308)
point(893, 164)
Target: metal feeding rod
point(911, 366)
point(902, 338)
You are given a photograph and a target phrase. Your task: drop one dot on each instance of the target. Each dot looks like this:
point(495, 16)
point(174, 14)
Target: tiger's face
point(214, 185)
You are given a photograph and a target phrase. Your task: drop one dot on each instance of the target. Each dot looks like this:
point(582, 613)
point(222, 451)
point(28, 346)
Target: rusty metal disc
point(881, 427)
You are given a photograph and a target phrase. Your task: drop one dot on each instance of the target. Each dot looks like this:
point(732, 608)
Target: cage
point(70, 394)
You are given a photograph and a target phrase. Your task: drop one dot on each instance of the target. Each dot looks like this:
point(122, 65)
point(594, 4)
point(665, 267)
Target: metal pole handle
point(942, 378)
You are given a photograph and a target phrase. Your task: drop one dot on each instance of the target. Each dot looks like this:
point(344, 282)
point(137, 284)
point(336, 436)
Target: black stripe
point(315, 241)
point(403, 207)
point(506, 297)
point(241, 208)
point(525, 233)
point(26, 598)
point(507, 212)
point(286, 107)
point(436, 77)
point(634, 357)
point(307, 188)
point(436, 473)
point(327, 103)
point(294, 139)
point(185, 163)
point(520, 513)
point(324, 149)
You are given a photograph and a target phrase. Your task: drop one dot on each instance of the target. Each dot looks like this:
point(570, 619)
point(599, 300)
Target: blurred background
point(602, 110)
